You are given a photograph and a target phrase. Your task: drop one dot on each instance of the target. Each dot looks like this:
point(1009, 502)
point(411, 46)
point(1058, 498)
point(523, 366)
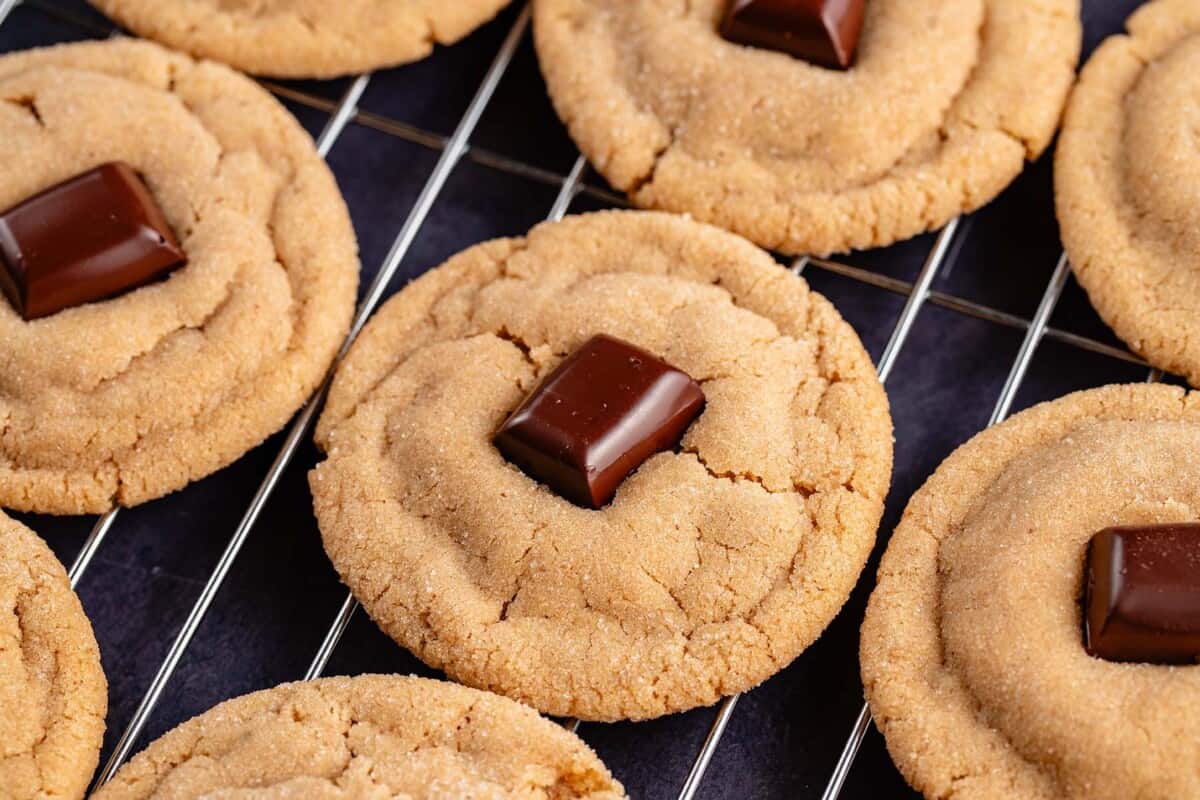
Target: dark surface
point(603, 411)
point(272, 613)
point(824, 32)
point(91, 237)
point(1143, 594)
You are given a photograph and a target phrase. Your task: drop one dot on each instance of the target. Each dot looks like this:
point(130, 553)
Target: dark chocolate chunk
point(94, 236)
point(824, 32)
point(602, 412)
point(1142, 598)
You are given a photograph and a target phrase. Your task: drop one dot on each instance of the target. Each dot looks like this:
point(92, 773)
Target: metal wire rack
point(452, 150)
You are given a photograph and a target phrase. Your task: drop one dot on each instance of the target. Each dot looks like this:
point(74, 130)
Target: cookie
point(304, 38)
point(53, 696)
point(121, 401)
point(973, 652)
point(375, 736)
point(1123, 176)
point(942, 108)
point(717, 562)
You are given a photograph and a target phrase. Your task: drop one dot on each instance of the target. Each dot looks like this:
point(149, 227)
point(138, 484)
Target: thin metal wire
point(1033, 337)
point(908, 316)
point(6, 6)
point(300, 428)
point(347, 107)
point(709, 748)
point(566, 194)
point(849, 752)
point(916, 299)
point(436, 141)
point(969, 308)
point(104, 524)
point(332, 637)
point(569, 191)
point(1012, 384)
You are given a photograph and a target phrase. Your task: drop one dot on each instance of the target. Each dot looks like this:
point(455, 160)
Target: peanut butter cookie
point(1125, 172)
point(717, 562)
point(53, 696)
point(375, 736)
point(973, 652)
point(304, 38)
point(125, 399)
point(943, 106)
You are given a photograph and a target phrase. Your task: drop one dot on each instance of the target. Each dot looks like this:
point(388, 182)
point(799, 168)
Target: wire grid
point(453, 149)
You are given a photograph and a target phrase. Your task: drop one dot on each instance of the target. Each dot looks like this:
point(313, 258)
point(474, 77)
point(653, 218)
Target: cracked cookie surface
point(945, 104)
point(304, 38)
point(375, 736)
point(715, 565)
point(122, 401)
point(53, 695)
point(972, 647)
point(1125, 171)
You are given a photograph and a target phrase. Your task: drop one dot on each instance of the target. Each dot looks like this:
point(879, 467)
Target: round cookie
point(53, 696)
point(304, 38)
point(375, 736)
point(1125, 169)
point(972, 648)
point(122, 401)
point(946, 102)
point(716, 564)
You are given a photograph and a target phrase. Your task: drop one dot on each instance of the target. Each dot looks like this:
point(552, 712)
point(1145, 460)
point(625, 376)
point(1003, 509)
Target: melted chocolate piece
point(824, 32)
point(94, 236)
point(606, 408)
point(1142, 598)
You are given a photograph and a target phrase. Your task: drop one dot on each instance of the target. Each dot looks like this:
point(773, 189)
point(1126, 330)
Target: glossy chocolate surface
point(94, 236)
point(823, 32)
point(1142, 596)
point(602, 412)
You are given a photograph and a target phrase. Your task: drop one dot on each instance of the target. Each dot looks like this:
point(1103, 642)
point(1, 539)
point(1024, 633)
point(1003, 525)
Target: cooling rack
point(222, 589)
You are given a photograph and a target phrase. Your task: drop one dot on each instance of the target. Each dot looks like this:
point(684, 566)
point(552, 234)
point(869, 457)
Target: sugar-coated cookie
point(120, 401)
point(944, 105)
point(717, 562)
point(973, 651)
point(304, 38)
point(53, 696)
point(1125, 173)
point(374, 737)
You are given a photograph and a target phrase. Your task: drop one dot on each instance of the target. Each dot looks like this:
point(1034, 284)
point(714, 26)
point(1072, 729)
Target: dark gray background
point(273, 611)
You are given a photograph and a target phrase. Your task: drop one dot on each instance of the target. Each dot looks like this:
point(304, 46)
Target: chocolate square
point(824, 32)
point(1142, 598)
point(91, 237)
point(603, 411)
